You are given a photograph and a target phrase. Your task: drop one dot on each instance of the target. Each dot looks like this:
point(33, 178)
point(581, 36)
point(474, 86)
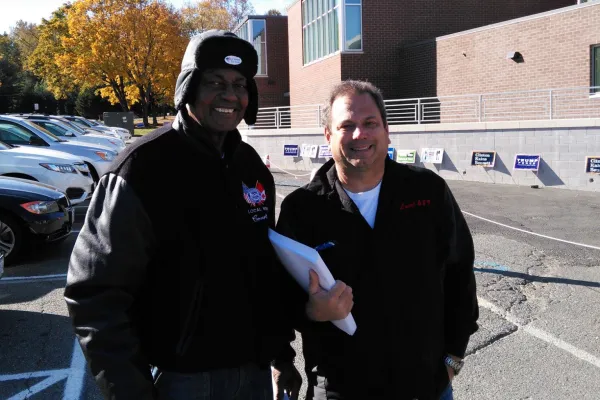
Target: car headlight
point(63, 168)
point(106, 156)
point(82, 167)
point(41, 207)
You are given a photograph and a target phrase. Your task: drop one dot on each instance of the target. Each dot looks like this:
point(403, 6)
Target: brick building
point(400, 45)
point(269, 35)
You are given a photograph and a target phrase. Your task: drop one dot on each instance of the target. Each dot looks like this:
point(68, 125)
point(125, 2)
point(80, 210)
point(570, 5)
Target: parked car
point(62, 170)
point(21, 132)
point(1, 263)
point(61, 130)
point(124, 133)
point(73, 125)
point(31, 211)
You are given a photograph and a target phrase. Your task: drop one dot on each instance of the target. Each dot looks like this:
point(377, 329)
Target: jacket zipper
point(191, 321)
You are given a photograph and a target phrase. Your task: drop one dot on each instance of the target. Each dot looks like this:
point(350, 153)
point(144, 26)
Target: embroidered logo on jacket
point(417, 203)
point(255, 196)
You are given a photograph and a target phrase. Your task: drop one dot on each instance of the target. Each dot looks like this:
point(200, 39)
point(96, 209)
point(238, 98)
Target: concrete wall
point(563, 146)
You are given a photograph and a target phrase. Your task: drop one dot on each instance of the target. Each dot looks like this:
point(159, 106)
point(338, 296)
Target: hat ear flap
point(252, 110)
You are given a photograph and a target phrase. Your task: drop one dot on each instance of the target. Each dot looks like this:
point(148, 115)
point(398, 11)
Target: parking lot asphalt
point(539, 335)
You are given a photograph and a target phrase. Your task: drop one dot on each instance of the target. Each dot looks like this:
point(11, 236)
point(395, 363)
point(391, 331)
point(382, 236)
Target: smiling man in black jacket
point(173, 268)
point(395, 235)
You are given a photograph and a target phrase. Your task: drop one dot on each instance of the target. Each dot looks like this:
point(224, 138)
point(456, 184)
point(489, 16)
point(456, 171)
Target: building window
point(596, 69)
point(320, 28)
point(255, 31)
point(353, 25)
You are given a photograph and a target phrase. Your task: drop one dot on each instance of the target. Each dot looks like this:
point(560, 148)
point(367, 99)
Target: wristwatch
point(455, 365)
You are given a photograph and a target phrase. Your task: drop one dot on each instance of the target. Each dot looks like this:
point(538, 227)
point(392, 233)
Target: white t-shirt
point(367, 203)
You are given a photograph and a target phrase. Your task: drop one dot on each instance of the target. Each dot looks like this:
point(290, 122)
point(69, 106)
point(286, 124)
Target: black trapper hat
point(217, 49)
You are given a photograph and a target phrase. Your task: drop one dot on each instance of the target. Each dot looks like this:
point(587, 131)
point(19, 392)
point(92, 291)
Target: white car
point(60, 129)
point(61, 170)
point(20, 132)
point(83, 122)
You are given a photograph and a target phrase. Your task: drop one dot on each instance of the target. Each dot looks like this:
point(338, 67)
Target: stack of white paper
point(298, 260)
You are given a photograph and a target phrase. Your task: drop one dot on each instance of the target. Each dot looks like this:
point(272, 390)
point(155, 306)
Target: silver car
point(20, 132)
point(62, 130)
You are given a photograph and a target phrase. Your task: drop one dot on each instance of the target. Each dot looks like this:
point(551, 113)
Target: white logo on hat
point(233, 60)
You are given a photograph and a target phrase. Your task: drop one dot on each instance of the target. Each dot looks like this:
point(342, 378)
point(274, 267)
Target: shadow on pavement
point(534, 278)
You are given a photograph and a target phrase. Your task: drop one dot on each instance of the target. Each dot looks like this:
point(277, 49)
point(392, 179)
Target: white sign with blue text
point(325, 151)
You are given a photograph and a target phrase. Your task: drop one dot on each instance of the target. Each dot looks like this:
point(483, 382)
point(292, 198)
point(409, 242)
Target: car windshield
point(5, 146)
point(79, 124)
point(15, 134)
point(73, 125)
point(44, 131)
point(83, 121)
point(52, 127)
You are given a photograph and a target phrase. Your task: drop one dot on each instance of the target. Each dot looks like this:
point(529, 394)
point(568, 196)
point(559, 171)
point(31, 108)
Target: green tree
point(273, 11)
point(26, 37)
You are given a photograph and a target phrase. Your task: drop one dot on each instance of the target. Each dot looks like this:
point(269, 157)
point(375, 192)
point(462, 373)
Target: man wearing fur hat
point(172, 284)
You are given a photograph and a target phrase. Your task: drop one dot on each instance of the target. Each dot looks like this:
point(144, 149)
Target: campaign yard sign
point(434, 156)
point(483, 158)
point(406, 156)
point(527, 162)
point(325, 151)
point(391, 153)
point(291, 150)
point(592, 165)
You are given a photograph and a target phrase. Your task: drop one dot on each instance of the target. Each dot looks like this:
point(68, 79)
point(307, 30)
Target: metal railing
point(548, 104)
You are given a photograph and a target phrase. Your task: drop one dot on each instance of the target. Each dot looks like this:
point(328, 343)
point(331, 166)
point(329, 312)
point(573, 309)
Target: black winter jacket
point(412, 280)
point(173, 267)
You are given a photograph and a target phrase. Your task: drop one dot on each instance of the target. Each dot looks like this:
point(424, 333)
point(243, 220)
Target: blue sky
point(35, 10)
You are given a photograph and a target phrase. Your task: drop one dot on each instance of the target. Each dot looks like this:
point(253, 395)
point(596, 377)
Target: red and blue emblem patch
point(255, 196)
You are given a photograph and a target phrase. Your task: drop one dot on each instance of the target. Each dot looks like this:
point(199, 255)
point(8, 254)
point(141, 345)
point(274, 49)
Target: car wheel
point(11, 238)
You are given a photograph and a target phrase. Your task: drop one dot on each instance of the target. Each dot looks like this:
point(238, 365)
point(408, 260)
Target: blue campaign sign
point(391, 152)
point(528, 162)
point(592, 165)
point(291, 150)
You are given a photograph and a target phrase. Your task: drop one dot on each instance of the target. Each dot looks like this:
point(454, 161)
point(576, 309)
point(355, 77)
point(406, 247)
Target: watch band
point(455, 365)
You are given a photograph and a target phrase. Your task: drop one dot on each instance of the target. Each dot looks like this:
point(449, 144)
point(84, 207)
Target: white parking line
point(531, 233)
point(541, 334)
point(75, 231)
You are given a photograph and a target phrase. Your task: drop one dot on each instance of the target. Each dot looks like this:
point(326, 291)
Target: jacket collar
point(197, 134)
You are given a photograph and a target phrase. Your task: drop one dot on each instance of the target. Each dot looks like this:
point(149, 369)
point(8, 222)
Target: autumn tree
point(43, 60)
point(133, 48)
point(202, 15)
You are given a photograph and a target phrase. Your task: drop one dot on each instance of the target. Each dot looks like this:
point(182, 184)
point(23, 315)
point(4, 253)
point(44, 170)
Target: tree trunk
point(119, 89)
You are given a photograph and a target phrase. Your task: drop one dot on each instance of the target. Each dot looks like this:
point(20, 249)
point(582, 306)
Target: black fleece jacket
point(412, 279)
point(173, 267)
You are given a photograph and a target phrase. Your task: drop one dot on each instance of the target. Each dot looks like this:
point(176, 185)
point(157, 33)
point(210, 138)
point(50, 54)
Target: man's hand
point(286, 377)
point(331, 305)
